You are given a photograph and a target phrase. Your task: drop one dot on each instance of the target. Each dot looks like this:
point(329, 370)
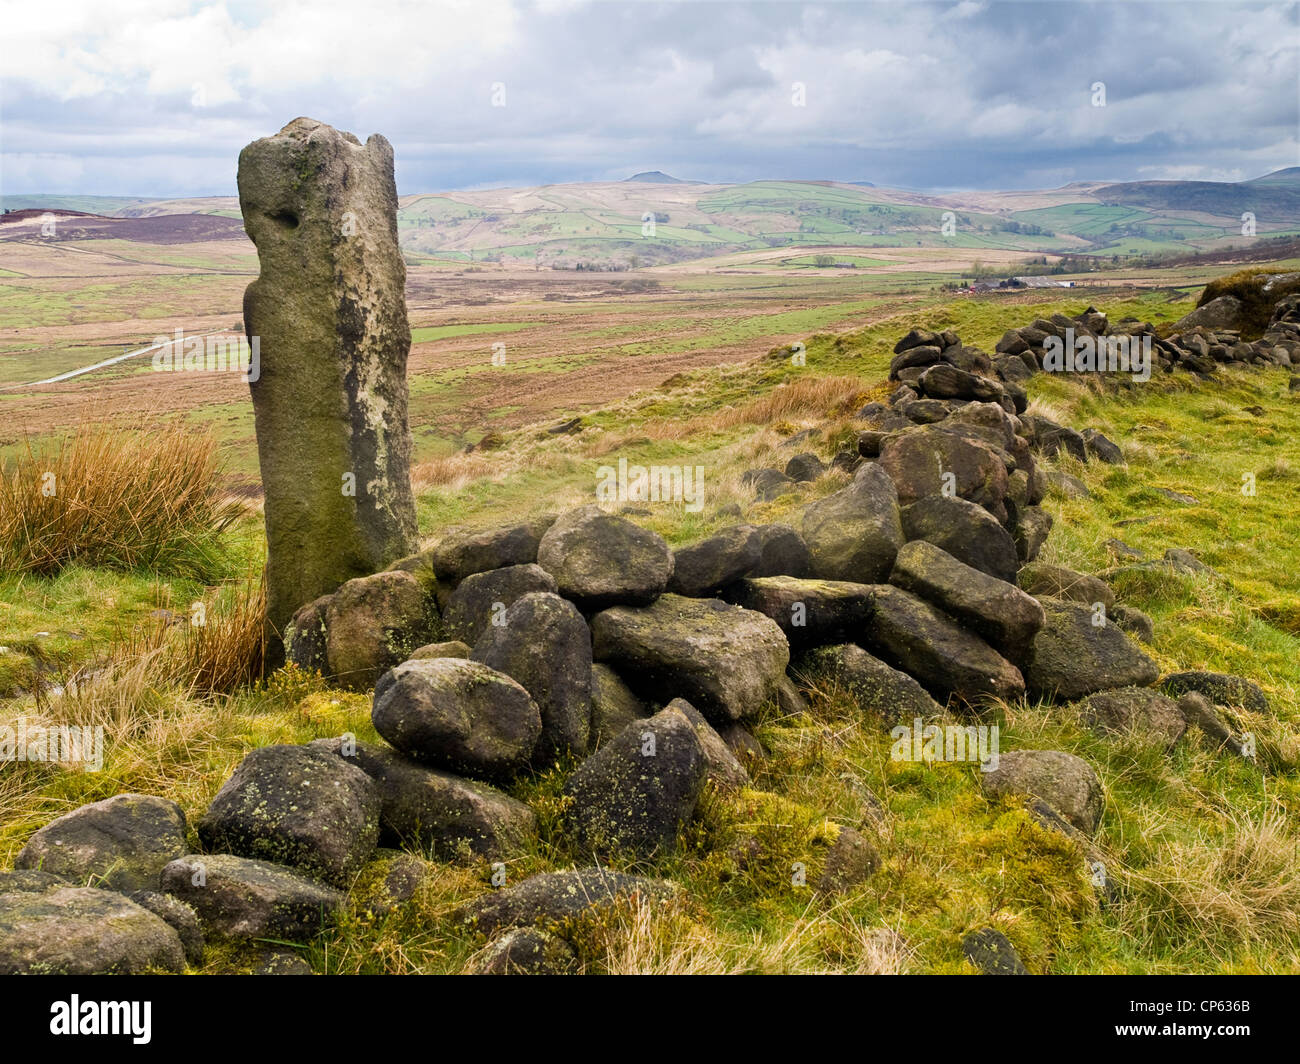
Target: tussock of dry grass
point(1042, 408)
point(650, 941)
point(1245, 888)
point(217, 645)
point(114, 495)
point(806, 397)
point(452, 471)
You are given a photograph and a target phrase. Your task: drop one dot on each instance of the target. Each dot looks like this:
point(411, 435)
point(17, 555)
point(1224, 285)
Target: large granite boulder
point(599, 560)
point(374, 622)
point(429, 809)
point(481, 599)
point(1078, 652)
point(946, 658)
point(458, 715)
point(809, 612)
point(965, 530)
point(240, 898)
point(1067, 783)
point(705, 567)
point(83, 931)
point(1000, 612)
point(545, 645)
point(120, 843)
point(854, 534)
point(297, 806)
point(634, 794)
point(726, 661)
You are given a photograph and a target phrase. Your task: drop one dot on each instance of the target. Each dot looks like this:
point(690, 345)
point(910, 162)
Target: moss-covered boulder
point(1197, 710)
point(180, 917)
point(1244, 301)
point(545, 645)
point(850, 860)
point(464, 552)
point(1139, 711)
point(965, 530)
point(1221, 688)
point(374, 622)
point(879, 689)
point(428, 809)
point(722, 767)
point(854, 533)
point(390, 881)
point(305, 644)
point(726, 661)
point(934, 460)
point(525, 951)
point(1000, 612)
point(1132, 621)
point(705, 567)
point(296, 806)
point(1219, 312)
point(330, 397)
point(1078, 651)
point(810, 612)
point(83, 931)
point(481, 599)
point(120, 843)
point(599, 560)
point(1067, 783)
point(459, 715)
point(946, 658)
point(637, 791)
point(558, 898)
point(241, 898)
point(30, 880)
point(992, 953)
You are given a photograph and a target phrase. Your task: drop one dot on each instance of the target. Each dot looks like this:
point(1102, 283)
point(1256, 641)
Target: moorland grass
point(1201, 848)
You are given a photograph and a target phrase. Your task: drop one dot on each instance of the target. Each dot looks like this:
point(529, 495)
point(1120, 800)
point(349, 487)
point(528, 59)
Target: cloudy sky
point(156, 97)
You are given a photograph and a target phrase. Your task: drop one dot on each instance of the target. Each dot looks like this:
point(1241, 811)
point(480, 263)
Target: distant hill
point(1289, 176)
point(25, 225)
point(657, 177)
point(1276, 192)
point(85, 204)
point(604, 224)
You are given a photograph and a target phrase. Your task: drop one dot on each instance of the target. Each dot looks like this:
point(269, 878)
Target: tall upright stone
point(330, 400)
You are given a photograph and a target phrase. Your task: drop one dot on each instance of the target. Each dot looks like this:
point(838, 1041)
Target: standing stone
point(330, 398)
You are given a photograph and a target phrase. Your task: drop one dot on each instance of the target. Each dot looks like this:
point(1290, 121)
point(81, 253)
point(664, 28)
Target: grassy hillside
point(1205, 849)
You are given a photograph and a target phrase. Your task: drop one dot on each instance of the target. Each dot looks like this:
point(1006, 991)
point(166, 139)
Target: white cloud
point(914, 94)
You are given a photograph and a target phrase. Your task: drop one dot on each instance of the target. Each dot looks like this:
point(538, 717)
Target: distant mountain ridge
point(658, 177)
point(607, 224)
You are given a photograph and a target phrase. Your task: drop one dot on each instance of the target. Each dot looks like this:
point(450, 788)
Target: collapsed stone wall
point(916, 587)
